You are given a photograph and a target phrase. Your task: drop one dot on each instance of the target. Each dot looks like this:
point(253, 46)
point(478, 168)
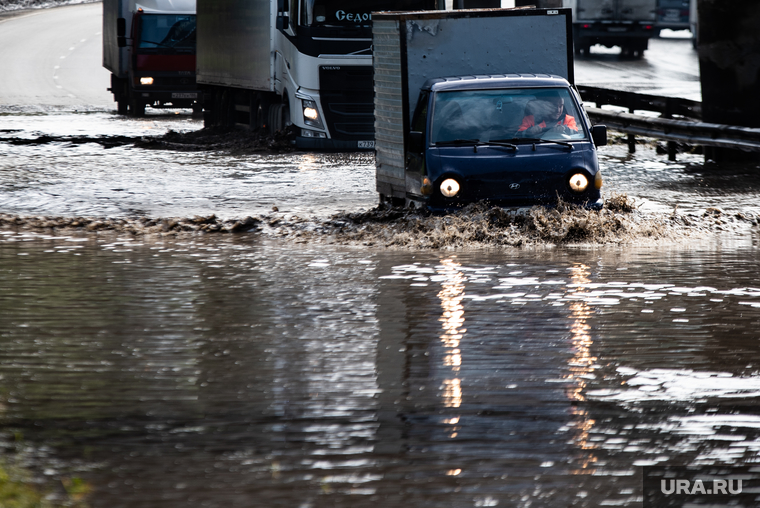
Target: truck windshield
point(505, 115)
point(345, 13)
point(167, 31)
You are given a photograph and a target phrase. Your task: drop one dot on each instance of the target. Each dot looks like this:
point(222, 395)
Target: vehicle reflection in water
point(452, 319)
point(581, 366)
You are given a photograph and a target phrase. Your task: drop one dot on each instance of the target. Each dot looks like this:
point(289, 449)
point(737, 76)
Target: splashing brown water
point(478, 225)
point(482, 225)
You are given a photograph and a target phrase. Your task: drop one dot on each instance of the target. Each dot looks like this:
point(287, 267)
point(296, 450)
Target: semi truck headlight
point(449, 187)
point(146, 81)
point(579, 182)
point(311, 114)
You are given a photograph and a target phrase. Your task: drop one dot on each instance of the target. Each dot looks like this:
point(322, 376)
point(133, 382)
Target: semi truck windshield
point(351, 13)
point(167, 31)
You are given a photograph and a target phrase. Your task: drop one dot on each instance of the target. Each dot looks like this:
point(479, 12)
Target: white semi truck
point(625, 23)
point(149, 47)
point(305, 63)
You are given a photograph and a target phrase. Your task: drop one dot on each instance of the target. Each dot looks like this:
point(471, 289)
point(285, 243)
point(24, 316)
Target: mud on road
point(478, 225)
point(228, 140)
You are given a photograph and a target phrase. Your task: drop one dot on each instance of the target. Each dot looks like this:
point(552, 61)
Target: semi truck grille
point(348, 102)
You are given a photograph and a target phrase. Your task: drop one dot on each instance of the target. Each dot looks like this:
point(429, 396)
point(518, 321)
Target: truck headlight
point(311, 114)
point(449, 187)
point(426, 188)
point(578, 182)
point(146, 81)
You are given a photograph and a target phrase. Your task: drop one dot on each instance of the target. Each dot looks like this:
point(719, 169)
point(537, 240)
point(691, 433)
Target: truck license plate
point(366, 144)
point(672, 15)
point(184, 95)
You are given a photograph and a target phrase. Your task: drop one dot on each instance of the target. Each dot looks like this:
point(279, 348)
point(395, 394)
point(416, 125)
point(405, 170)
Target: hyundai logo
point(514, 186)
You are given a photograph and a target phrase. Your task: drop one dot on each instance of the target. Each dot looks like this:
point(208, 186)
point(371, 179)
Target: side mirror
point(416, 142)
point(282, 22)
point(283, 6)
point(599, 134)
point(121, 32)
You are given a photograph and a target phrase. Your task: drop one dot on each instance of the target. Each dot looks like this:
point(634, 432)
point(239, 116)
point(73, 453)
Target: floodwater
point(245, 370)
point(51, 175)
point(58, 177)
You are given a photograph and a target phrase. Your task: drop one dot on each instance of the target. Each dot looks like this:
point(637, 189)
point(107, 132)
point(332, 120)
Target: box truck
point(149, 47)
point(625, 23)
point(479, 105)
point(305, 63)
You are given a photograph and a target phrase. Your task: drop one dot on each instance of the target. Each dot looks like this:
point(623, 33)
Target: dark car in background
point(673, 14)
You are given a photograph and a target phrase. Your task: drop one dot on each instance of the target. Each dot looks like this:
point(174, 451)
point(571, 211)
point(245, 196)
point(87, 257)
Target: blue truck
point(459, 121)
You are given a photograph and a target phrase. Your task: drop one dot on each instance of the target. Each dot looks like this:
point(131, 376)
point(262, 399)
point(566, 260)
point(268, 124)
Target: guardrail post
point(631, 138)
point(672, 147)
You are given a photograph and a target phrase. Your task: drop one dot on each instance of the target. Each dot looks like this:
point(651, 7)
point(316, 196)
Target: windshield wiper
point(542, 140)
point(156, 43)
point(502, 142)
point(458, 142)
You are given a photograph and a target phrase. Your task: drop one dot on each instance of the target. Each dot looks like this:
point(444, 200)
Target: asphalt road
point(670, 67)
point(52, 59)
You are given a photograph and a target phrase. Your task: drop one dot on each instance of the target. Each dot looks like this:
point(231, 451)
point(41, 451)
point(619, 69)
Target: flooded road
point(231, 371)
point(62, 178)
point(226, 370)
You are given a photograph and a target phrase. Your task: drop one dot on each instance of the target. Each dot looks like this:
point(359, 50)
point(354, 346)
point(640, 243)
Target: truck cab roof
point(485, 82)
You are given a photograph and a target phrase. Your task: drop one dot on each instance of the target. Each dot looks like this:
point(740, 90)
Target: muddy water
point(62, 178)
point(249, 371)
point(54, 176)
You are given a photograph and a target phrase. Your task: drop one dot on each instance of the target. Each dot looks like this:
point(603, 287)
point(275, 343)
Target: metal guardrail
point(684, 131)
point(632, 101)
point(689, 129)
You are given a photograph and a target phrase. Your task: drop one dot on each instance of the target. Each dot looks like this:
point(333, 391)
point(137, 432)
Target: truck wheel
point(122, 106)
point(260, 112)
point(137, 107)
point(279, 117)
point(640, 47)
point(226, 109)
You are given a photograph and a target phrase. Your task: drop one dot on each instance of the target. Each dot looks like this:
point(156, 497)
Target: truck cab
point(149, 47)
point(512, 140)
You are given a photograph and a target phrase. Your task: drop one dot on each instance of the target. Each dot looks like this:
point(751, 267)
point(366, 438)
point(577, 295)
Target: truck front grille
point(348, 102)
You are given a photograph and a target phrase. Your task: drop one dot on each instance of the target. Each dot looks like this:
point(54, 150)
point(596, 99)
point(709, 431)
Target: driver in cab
point(546, 115)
